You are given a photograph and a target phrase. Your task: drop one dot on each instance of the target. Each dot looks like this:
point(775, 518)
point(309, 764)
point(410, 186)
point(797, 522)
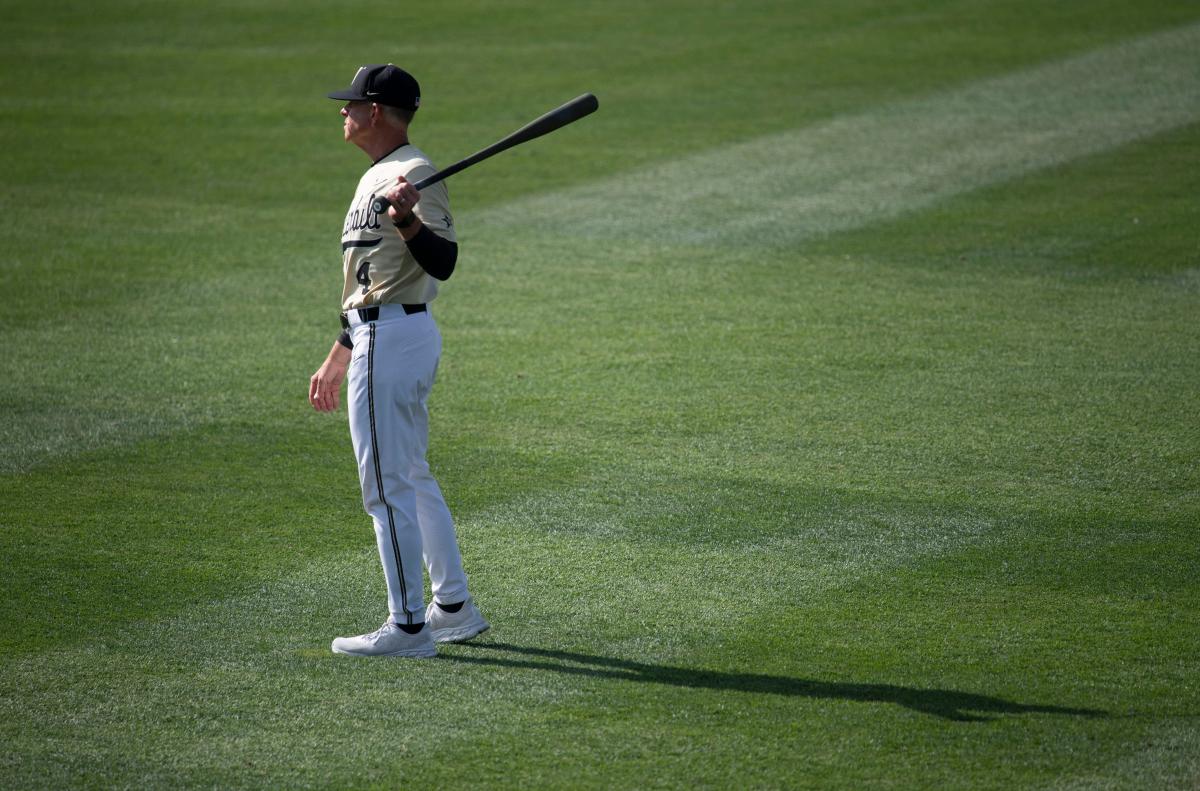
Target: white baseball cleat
point(387, 640)
point(455, 627)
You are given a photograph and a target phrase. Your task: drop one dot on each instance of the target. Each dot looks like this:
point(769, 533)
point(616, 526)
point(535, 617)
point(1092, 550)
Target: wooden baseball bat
point(555, 119)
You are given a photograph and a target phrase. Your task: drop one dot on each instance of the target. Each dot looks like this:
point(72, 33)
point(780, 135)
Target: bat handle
point(381, 204)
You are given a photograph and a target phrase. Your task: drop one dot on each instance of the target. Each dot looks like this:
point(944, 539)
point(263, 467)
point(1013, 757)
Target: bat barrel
point(555, 119)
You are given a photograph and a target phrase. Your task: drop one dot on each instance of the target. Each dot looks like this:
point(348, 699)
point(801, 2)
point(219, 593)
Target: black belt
point(372, 314)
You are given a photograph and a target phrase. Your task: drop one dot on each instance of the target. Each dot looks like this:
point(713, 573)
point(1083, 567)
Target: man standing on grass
point(390, 348)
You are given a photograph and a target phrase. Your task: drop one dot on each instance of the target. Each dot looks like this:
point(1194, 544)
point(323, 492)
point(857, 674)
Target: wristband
point(405, 222)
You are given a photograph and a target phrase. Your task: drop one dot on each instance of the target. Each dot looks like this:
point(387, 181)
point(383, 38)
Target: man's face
point(358, 120)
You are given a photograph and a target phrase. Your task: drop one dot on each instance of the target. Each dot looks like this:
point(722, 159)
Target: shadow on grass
point(951, 705)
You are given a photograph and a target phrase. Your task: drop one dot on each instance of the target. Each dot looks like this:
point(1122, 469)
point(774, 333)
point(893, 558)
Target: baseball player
point(388, 353)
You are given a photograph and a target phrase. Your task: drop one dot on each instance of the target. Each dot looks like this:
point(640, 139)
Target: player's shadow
point(952, 705)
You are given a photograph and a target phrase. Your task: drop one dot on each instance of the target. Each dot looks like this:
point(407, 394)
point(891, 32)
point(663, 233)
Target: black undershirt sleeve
point(435, 255)
point(344, 339)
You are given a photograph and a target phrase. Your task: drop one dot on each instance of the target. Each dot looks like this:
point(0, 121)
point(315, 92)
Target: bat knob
point(380, 205)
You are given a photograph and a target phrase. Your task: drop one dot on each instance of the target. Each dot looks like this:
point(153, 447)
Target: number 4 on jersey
point(363, 275)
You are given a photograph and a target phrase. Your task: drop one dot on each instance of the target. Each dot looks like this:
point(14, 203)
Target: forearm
point(340, 353)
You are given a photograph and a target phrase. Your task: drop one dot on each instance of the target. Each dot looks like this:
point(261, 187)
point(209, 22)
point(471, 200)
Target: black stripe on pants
point(379, 472)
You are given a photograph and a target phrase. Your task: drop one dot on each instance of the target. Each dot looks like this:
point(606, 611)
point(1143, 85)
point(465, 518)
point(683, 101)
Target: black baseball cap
point(382, 84)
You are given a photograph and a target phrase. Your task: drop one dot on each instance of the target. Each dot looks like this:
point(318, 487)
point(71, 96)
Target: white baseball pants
point(392, 370)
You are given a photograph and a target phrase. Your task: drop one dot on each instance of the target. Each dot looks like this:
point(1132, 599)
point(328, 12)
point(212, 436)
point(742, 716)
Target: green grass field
point(824, 412)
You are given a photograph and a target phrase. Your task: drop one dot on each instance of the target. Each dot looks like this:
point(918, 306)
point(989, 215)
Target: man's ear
point(376, 114)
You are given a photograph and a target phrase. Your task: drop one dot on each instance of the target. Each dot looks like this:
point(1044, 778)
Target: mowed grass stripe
point(1169, 758)
point(78, 700)
point(892, 160)
point(707, 643)
point(844, 174)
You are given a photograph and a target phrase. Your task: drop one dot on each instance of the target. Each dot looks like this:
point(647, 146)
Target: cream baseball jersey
point(378, 267)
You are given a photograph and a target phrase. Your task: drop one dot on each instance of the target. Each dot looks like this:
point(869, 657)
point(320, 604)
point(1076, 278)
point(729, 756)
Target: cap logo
point(383, 84)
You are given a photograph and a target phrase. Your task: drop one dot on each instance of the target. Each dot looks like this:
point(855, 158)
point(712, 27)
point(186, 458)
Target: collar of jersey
point(393, 151)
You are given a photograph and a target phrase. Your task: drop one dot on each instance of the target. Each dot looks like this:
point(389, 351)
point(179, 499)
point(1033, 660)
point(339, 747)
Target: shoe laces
point(375, 635)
